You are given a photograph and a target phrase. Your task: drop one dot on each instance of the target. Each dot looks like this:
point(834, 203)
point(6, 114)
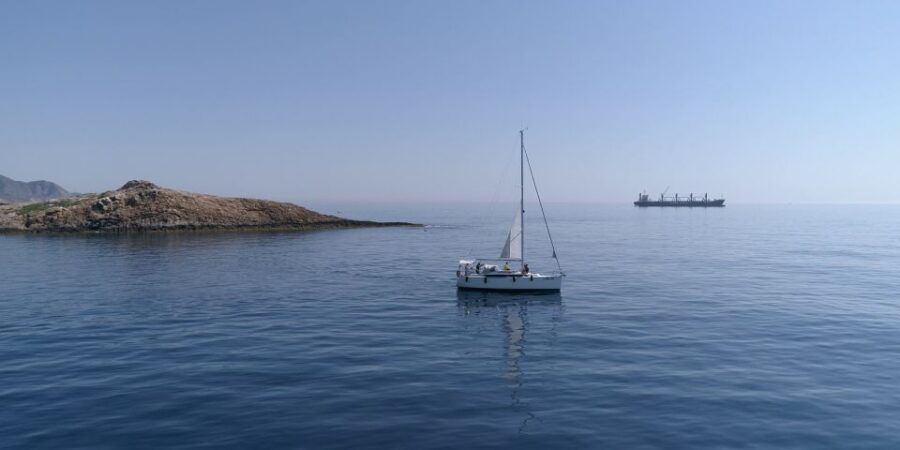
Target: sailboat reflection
point(513, 312)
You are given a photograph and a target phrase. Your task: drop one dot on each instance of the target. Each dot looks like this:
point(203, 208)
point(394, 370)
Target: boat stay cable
point(547, 225)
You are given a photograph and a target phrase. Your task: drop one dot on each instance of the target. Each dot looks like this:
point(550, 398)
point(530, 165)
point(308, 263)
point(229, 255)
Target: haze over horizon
point(764, 102)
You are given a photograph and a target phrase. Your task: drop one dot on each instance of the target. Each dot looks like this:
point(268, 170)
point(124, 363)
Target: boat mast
point(522, 195)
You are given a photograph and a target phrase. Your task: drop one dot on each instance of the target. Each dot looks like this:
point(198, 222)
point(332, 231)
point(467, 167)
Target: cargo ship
point(690, 201)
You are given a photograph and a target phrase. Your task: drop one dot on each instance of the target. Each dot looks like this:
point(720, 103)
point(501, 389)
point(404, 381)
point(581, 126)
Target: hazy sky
point(421, 100)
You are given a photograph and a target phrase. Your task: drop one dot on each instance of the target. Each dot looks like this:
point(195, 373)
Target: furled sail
point(513, 247)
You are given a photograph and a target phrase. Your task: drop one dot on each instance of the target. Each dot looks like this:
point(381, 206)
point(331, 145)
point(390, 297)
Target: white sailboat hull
point(534, 282)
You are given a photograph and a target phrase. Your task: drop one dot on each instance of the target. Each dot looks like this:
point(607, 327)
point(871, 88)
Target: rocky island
point(144, 206)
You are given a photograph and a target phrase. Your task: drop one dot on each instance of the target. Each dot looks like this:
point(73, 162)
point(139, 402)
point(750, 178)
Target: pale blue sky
point(421, 100)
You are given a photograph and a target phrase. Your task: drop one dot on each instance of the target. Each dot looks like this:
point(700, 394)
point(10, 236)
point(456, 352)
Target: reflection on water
point(471, 299)
point(513, 313)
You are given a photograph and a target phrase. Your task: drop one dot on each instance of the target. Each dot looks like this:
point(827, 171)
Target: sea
point(749, 326)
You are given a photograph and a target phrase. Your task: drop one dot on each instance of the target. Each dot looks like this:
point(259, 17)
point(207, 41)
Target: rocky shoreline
point(144, 206)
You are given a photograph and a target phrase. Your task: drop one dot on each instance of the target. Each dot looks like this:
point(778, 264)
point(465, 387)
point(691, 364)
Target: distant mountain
point(12, 191)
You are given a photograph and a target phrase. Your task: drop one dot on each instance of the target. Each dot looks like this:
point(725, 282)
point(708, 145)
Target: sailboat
point(496, 274)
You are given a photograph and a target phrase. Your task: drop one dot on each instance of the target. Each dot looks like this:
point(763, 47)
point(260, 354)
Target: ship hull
point(682, 203)
point(510, 283)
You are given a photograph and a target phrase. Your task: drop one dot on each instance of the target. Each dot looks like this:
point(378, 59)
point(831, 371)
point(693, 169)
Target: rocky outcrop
point(12, 191)
point(144, 206)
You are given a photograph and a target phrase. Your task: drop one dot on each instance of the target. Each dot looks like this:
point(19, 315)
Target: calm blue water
point(748, 326)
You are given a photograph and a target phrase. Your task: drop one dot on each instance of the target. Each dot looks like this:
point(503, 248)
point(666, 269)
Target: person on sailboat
point(525, 269)
point(506, 266)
